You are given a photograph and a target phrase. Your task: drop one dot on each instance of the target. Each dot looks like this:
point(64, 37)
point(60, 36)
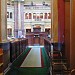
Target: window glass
point(41, 15)
point(49, 15)
point(7, 14)
point(10, 14)
point(45, 16)
point(34, 15)
point(26, 16)
point(30, 16)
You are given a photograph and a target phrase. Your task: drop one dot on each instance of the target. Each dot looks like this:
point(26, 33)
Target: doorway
point(36, 39)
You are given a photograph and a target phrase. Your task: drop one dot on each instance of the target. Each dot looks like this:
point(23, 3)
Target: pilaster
point(55, 20)
point(4, 44)
point(19, 18)
point(72, 34)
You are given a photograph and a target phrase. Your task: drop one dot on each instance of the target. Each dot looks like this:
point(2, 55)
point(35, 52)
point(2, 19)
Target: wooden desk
point(36, 38)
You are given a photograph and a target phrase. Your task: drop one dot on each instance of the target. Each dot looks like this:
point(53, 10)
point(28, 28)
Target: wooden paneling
point(72, 35)
point(67, 30)
point(61, 20)
point(36, 38)
point(1, 61)
point(30, 39)
point(0, 21)
point(6, 59)
point(67, 0)
point(55, 21)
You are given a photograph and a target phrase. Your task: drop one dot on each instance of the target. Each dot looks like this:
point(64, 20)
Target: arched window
point(26, 16)
point(30, 15)
point(10, 14)
point(34, 15)
point(45, 16)
point(7, 14)
point(49, 15)
point(41, 15)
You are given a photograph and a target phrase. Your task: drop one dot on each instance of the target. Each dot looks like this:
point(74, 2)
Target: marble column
point(32, 26)
point(4, 44)
point(22, 17)
point(54, 25)
point(16, 19)
point(42, 28)
point(19, 18)
point(32, 16)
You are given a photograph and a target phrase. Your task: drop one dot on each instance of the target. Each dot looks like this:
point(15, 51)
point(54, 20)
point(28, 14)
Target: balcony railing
point(37, 7)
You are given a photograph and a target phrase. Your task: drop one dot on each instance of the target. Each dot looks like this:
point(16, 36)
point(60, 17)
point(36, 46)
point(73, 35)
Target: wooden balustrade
point(17, 47)
point(47, 45)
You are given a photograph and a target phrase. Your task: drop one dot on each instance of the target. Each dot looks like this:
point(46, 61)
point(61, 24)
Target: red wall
point(61, 20)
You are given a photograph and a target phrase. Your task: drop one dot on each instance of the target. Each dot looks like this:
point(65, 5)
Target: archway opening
point(23, 15)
